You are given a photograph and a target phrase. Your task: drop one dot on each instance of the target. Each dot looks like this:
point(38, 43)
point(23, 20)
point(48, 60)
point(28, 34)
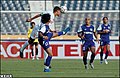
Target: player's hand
point(28, 20)
point(45, 37)
point(106, 31)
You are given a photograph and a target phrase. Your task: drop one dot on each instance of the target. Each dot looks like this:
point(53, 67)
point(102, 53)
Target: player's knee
point(108, 50)
point(84, 54)
point(50, 54)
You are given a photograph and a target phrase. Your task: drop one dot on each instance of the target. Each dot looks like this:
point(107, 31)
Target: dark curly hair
point(45, 18)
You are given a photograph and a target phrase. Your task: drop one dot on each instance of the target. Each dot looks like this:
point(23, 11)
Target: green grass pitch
point(60, 68)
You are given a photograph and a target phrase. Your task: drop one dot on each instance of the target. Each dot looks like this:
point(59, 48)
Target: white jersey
point(34, 33)
point(51, 24)
point(35, 30)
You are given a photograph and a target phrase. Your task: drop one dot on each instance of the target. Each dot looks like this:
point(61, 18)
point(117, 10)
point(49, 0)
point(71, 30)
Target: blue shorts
point(45, 43)
point(103, 43)
point(87, 45)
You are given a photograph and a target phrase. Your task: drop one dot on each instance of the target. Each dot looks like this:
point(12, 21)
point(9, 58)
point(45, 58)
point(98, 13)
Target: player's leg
point(85, 59)
point(85, 52)
point(92, 56)
point(55, 34)
point(45, 54)
point(101, 54)
point(36, 50)
point(92, 48)
point(30, 41)
point(107, 53)
point(48, 60)
point(46, 47)
point(31, 47)
point(102, 44)
point(24, 46)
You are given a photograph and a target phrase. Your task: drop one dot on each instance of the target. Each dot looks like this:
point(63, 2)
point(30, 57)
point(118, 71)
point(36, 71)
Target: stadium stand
point(11, 24)
point(14, 23)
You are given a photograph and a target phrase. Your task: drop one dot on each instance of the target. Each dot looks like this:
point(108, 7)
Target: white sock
point(45, 56)
point(46, 67)
point(63, 32)
point(24, 46)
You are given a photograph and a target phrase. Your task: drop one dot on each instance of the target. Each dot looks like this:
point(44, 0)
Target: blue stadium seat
point(12, 22)
point(16, 22)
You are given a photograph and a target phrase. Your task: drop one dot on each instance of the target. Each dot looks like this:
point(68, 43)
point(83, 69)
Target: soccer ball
point(63, 9)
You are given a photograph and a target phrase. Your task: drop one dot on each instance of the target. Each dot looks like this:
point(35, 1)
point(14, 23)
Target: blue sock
point(101, 55)
point(60, 33)
point(48, 60)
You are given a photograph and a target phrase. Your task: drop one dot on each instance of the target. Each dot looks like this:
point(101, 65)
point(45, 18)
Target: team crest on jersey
point(91, 29)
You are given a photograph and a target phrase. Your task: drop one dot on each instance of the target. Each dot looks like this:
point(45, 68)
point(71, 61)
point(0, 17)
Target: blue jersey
point(88, 31)
point(104, 36)
point(44, 29)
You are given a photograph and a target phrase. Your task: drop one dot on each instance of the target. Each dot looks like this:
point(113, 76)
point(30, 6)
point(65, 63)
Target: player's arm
point(36, 16)
point(41, 31)
point(100, 31)
point(80, 33)
point(104, 31)
point(41, 35)
point(52, 31)
point(30, 19)
point(109, 30)
point(96, 35)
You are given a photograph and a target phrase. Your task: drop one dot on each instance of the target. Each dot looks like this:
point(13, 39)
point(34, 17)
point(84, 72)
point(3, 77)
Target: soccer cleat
point(66, 30)
point(46, 70)
point(21, 54)
point(50, 67)
point(33, 58)
point(37, 58)
point(101, 62)
point(106, 62)
point(86, 66)
point(91, 65)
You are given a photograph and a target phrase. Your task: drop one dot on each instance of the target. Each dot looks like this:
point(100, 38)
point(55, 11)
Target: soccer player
point(44, 37)
point(86, 33)
point(32, 24)
point(104, 31)
point(56, 12)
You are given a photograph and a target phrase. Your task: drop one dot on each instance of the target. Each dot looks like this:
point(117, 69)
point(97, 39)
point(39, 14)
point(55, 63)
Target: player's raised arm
point(30, 19)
